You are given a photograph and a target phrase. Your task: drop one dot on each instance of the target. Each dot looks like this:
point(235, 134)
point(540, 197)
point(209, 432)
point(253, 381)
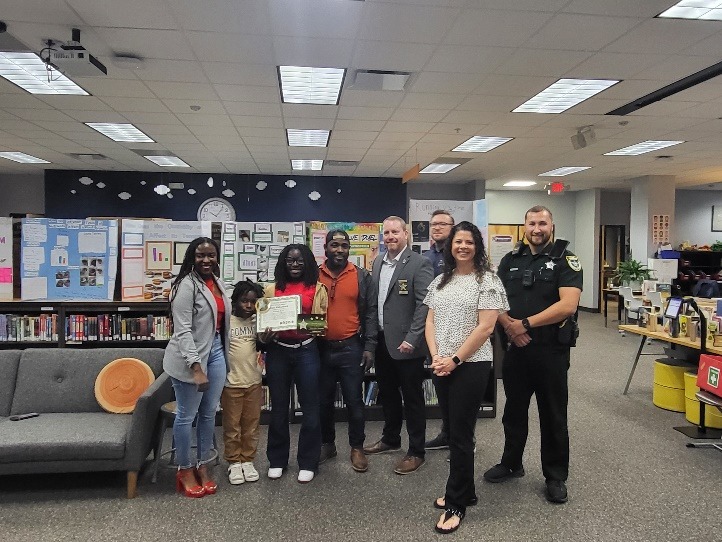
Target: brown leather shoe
point(359, 462)
point(380, 447)
point(408, 465)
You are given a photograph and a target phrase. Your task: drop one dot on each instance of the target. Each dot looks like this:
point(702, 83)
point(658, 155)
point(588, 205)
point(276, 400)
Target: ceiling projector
point(73, 59)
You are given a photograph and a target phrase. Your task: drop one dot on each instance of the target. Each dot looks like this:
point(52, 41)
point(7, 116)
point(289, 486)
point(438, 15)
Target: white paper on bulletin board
point(6, 258)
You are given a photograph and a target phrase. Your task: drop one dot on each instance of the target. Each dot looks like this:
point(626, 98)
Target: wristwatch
point(526, 324)
point(456, 360)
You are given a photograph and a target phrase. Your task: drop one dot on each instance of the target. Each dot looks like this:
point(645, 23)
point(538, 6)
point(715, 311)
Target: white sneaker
point(249, 472)
point(235, 474)
point(305, 476)
point(275, 473)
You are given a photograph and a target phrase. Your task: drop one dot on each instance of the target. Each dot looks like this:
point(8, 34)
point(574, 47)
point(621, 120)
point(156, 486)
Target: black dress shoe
point(439, 442)
point(380, 447)
point(499, 473)
point(556, 491)
point(327, 452)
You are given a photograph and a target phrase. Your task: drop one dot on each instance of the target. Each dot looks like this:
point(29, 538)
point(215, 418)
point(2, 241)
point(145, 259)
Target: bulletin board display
point(249, 250)
point(420, 219)
point(6, 258)
point(660, 229)
point(364, 237)
point(151, 255)
point(502, 239)
point(68, 259)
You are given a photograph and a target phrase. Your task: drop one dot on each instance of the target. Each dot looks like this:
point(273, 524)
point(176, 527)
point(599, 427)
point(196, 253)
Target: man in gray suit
point(403, 277)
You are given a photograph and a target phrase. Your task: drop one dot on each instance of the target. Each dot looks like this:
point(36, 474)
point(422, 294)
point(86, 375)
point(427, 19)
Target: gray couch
point(73, 433)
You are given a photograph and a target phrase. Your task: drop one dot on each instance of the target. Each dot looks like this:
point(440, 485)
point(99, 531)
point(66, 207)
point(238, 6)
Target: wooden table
point(661, 336)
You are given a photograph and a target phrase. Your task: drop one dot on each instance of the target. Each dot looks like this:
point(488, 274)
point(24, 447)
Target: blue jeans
point(190, 402)
point(283, 367)
point(342, 365)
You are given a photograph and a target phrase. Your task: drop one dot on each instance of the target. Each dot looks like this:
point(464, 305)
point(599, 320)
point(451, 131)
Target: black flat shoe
point(472, 502)
point(450, 512)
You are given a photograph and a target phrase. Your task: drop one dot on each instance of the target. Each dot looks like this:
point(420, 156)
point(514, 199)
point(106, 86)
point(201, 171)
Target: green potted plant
point(631, 273)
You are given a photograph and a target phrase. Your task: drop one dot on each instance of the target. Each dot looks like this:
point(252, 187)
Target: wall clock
point(216, 210)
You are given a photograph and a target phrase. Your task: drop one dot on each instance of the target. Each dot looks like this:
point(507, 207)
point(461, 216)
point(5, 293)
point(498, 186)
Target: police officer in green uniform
point(543, 282)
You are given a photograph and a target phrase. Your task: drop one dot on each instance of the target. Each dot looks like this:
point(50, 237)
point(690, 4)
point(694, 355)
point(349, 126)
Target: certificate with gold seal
point(278, 313)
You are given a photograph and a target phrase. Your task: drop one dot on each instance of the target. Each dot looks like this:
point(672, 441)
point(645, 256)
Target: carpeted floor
point(632, 479)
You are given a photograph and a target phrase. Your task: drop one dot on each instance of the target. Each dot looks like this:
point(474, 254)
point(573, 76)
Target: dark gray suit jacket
point(405, 313)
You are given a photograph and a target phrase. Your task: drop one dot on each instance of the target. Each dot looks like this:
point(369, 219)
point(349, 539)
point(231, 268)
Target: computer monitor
point(674, 305)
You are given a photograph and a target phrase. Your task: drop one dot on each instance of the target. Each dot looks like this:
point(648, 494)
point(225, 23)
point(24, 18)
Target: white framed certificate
point(278, 313)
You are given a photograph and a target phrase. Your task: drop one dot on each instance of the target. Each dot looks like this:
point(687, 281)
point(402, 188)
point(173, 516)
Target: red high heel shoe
point(209, 486)
point(195, 491)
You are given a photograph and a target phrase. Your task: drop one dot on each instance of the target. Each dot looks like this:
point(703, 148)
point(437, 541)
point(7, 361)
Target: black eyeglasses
point(291, 261)
point(440, 224)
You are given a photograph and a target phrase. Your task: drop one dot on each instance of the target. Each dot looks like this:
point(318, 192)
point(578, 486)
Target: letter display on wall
point(249, 250)
point(6, 258)
point(364, 237)
point(151, 255)
point(68, 259)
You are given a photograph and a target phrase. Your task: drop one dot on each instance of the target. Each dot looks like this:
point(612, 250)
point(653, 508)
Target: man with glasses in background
point(347, 349)
point(441, 223)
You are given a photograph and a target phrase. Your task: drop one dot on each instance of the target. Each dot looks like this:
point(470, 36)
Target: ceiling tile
point(182, 91)
point(580, 32)
point(231, 47)
point(320, 52)
point(466, 58)
point(126, 14)
point(495, 28)
point(158, 44)
point(390, 55)
point(663, 36)
point(245, 93)
point(537, 62)
point(364, 113)
point(412, 24)
point(320, 18)
point(225, 73)
point(238, 16)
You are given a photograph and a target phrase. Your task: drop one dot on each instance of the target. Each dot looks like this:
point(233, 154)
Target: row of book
point(16, 328)
point(116, 327)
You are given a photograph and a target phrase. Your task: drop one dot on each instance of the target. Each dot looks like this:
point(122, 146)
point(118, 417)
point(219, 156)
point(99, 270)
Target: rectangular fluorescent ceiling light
point(564, 94)
point(30, 73)
point(481, 144)
point(307, 165)
point(309, 85)
point(307, 138)
point(120, 132)
point(562, 171)
point(695, 9)
point(520, 184)
point(643, 147)
point(167, 161)
point(22, 158)
point(439, 168)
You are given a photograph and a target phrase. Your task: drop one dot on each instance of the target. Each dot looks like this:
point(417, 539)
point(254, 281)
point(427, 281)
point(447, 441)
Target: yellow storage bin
point(668, 398)
point(668, 390)
point(712, 415)
point(670, 373)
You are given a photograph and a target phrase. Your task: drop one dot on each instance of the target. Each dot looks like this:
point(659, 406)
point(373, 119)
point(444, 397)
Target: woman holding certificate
point(195, 359)
point(293, 357)
point(464, 302)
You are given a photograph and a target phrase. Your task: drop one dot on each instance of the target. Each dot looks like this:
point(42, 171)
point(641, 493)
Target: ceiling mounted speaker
point(583, 138)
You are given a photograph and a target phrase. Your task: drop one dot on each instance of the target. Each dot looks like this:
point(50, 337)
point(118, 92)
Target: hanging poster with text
point(151, 255)
point(364, 237)
point(66, 259)
point(6, 258)
point(249, 250)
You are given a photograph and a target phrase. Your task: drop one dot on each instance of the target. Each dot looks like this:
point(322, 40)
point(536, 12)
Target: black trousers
point(540, 370)
point(461, 393)
point(444, 410)
point(401, 393)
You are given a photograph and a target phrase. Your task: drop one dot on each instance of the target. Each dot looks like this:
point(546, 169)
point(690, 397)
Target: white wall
point(22, 194)
point(693, 217)
point(509, 206)
point(587, 231)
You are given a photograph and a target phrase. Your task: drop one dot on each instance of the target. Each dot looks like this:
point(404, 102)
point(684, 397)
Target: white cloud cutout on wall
point(314, 196)
point(261, 185)
point(124, 196)
point(86, 181)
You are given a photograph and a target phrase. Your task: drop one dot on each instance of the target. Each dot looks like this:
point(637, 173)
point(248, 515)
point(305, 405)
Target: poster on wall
point(6, 258)
point(365, 239)
point(420, 216)
point(250, 250)
point(502, 239)
point(151, 255)
point(68, 259)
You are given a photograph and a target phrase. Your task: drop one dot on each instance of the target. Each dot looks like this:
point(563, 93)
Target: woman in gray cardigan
point(195, 359)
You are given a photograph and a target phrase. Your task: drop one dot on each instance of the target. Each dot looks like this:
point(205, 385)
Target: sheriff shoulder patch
point(574, 263)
